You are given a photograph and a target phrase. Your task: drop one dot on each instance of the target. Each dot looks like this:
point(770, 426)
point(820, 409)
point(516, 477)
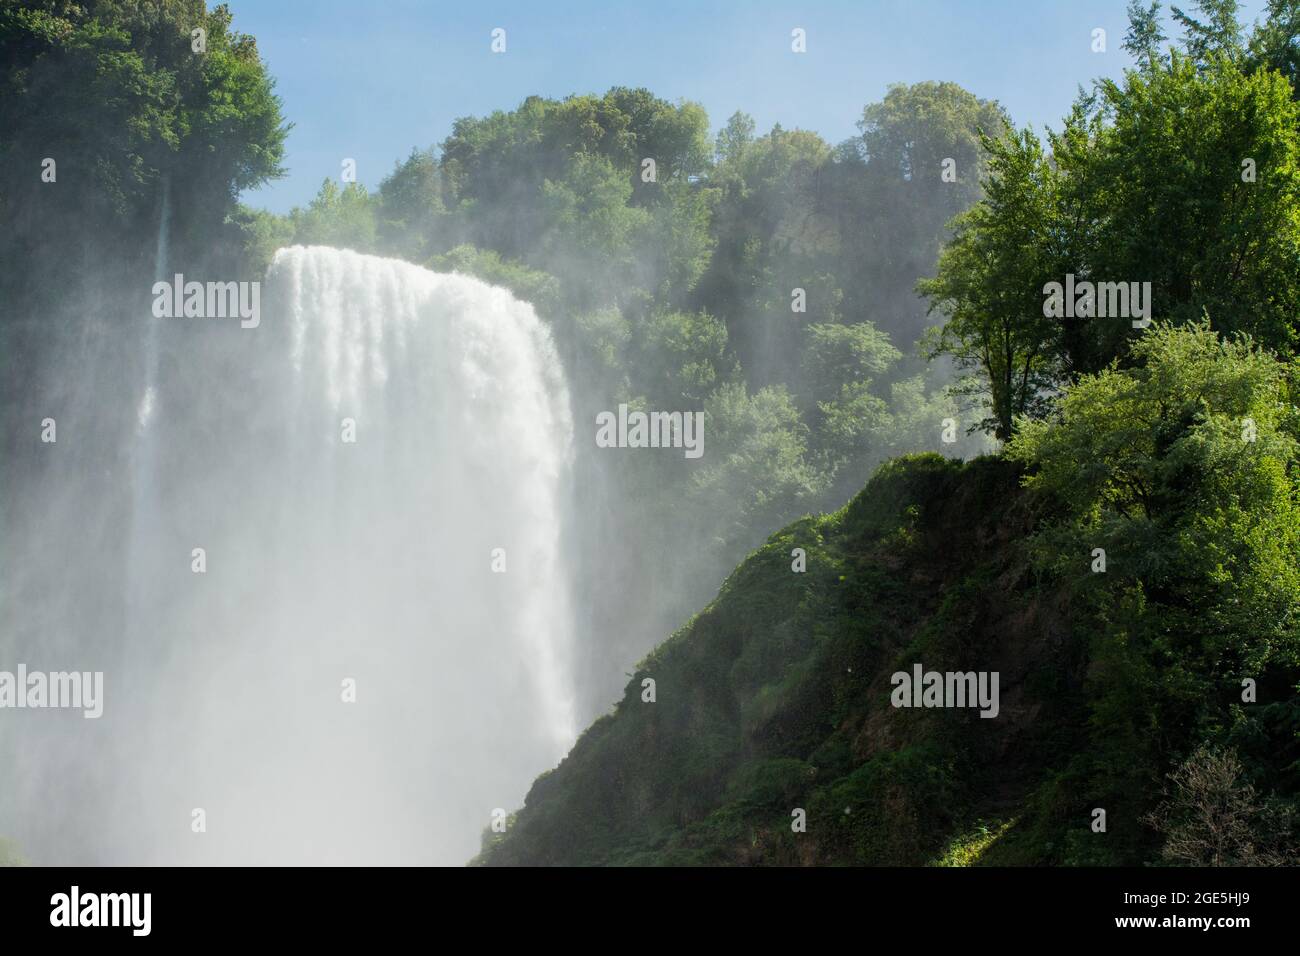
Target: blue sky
point(370, 79)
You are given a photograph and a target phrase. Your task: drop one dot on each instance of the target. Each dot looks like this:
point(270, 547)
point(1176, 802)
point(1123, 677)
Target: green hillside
point(777, 697)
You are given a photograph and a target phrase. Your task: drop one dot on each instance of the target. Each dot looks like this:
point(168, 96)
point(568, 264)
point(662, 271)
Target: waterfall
point(145, 410)
point(413, 432)
point(372, 653)
point(143, 452)
point(431, 410)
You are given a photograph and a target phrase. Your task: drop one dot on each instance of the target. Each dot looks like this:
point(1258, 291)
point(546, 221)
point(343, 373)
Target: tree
point(1213, 816)
point(113, 92)
point(494, 167)
point(1144, 36)
point(990, 282)
point(411, 209)
point(591, 230)
point(337, 217)
point(1217, 35)
point(734, 137)
point(774, 235)
point(1179, 470)
point(211, 121)
point(1275, 44)
point(1180, 180)
point(679, 357)
point(1188, 179)
point(838, 355)
point(893, 191)
point(755, 467)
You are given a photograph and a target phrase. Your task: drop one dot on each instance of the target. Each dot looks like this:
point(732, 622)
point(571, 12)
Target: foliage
point(135, 122)
point(1159, 176)
point(209, 122)
point(1214, 818)
point(1184, 175)
point(989, 284)
point(336, 217)
point(1182, 470)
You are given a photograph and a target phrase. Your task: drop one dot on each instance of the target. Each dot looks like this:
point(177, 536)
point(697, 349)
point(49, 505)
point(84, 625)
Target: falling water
point(439, 404)
point(377, 479)
point(143, 452)
point(145, 410)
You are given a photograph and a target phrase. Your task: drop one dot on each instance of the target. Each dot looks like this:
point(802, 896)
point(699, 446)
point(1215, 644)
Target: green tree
point(114, 94)
point(989, 286)
point(1218, 34)
point(838, 355)
point(337, 217)
point(1144, 36)
point(591, 231)
point(1275, 43)
point(755, 469)
point(1188, 179)
point(1180, 469)
point(411, 212)
point(494, 168)
point(735, 137)
point(1182, 177)
point(918, 163)
point(679, 357)
point(773, 236)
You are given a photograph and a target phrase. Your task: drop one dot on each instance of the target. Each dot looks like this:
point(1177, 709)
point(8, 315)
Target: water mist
point(345, 633)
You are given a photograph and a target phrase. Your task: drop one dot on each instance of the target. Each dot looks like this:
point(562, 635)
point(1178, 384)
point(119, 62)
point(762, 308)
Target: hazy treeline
point(109, 115)
point(105, 108)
